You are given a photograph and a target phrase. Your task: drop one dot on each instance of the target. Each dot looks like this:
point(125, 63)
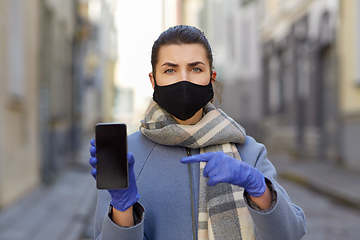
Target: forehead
point(183, 52)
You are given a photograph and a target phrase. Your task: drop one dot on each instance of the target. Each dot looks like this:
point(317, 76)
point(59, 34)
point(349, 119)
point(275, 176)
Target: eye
point(169, 70)
point(196, 69)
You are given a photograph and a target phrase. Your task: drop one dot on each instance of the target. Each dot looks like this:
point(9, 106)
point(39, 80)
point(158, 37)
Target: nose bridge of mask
point(182, 79)
point(186, 79)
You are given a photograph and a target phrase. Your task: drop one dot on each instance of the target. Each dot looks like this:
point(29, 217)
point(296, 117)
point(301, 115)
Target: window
point(274, 84)
point(245, 46)
point(16, 53)
point(123, 101)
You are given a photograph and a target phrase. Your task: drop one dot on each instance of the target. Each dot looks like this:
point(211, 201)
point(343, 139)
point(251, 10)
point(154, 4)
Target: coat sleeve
point(285, 221)
point(106, 229)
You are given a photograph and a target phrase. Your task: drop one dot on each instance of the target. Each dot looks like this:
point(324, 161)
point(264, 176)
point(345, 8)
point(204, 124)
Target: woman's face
point(185, 62)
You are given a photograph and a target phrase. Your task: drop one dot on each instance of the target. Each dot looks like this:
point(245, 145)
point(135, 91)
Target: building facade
point(45, 71)
point(349, 86)
point(289, 72)
point(310, 89)
point(37, 94)
point(56, 85)
point(97, 54)
point(19, 126)
point(231, 28)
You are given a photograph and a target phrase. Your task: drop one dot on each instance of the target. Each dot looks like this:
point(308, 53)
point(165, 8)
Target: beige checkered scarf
point(223, 213)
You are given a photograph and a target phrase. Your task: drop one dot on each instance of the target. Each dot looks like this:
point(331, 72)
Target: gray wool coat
point(165, 208)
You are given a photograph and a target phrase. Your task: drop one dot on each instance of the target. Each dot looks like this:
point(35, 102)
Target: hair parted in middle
point(180, 34)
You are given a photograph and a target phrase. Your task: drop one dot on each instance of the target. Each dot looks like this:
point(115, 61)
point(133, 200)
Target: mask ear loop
point(211, 77)
point(212, 100)
point(154, 79)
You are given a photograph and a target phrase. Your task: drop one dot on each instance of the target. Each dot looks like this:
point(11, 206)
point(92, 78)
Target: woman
point(198, 174)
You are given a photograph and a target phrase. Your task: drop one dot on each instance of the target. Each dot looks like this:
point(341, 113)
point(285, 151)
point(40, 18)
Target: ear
point(213, 76)
point(152, 80)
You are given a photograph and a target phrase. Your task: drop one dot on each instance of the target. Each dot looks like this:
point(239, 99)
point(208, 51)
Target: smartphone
point(111, 153)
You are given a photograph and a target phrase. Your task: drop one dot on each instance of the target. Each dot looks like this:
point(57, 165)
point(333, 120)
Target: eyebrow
point(176, 65)
point(196, 63)
point(170, 64)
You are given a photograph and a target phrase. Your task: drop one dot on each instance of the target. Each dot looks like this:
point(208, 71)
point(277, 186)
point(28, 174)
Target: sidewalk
point(340, 184)
point(62, 211)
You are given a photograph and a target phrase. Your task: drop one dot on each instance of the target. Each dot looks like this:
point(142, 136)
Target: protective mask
point(183, 99)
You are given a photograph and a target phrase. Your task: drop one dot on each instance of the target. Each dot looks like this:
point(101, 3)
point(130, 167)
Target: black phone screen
point(111, 154)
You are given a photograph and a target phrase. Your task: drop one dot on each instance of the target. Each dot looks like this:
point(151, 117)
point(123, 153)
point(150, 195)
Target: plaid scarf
point(223, 213)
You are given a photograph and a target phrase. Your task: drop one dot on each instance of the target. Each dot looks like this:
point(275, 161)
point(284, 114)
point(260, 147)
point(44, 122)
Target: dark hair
point(181, 34)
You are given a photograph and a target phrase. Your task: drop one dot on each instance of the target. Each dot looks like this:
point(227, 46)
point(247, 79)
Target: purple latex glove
point(223, 168)
point(121, 199)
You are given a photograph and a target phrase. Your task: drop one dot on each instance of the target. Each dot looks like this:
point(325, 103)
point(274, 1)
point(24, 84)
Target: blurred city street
point(60, 211)
point(329, 197)
point(65, 210)
point(287, 71)
point(326, 219)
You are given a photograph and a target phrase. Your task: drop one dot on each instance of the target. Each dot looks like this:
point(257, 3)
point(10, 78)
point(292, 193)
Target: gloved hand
point(122, 199)
point(223, 168)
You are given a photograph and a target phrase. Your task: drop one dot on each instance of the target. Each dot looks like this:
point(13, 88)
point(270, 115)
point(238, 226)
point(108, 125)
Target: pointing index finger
point(204, 157)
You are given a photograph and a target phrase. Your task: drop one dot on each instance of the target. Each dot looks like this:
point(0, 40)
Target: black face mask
point(183, 99)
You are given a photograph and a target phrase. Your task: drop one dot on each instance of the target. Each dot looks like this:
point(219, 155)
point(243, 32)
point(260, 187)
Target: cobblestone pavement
point(326, 219)
point(61, 211)
point(328, 195)
point(339, 183)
